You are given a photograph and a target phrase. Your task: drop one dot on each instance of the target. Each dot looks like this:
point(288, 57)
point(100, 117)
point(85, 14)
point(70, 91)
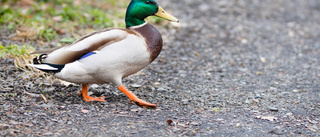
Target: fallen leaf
point(57, 18)
point(77, 2)
point(164, 61)
point(196, 53)
point(169, 121)
point(259, 73)
point(66, 83)
point(24, 11)
point(59, 30)
point(26, 33)
point(44, 7)
point(26, 2)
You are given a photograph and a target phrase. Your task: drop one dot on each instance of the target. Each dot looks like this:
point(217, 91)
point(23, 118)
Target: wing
point(86, 44)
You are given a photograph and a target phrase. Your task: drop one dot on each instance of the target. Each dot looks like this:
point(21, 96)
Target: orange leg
point(86, 97)
point(134, 98)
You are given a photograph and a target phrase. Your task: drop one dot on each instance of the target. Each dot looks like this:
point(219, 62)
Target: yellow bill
point(163, 14)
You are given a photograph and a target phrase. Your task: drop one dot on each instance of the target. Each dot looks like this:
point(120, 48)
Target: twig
point(44, 98)
point(32, 94)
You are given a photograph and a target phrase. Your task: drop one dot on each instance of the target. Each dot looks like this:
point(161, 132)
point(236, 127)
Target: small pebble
point(160, 89)
point(135, 85)
point(273, 109)
point(277, 130)
point(134, 110)
point(94, 86)
point(219, 119)
point(85, 111)
point(288, 114)
point(194, 123)
point(48, 134)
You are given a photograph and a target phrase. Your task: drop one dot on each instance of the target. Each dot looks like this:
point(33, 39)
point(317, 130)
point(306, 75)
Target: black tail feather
point(39, 59)
point(46, 67)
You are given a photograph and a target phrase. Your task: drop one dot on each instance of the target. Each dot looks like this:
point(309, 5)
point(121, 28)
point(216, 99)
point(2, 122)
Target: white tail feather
point(42, 66)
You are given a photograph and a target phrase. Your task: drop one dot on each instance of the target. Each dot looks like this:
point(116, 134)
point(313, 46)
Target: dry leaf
point(162, 60)
point(65, 83)
point(77, 2)
point(169, 121)
point(24, 11)
point(196, 53)
point(57, 18)
point(26, 33)
point(26, 2)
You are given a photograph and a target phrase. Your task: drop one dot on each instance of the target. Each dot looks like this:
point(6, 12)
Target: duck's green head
point(138, 10)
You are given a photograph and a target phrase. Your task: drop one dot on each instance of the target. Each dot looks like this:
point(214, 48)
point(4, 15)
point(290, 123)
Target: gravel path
point(230, 68)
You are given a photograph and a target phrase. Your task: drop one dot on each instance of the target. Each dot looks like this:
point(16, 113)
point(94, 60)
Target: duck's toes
point(89, 98)
point(135, 99)
point(144, 103)
point(86, 97)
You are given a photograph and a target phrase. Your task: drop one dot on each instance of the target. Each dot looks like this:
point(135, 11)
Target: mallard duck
point(110, 54)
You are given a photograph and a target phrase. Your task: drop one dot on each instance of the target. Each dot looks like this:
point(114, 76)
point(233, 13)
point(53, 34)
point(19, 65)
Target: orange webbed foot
point(86, 97)
point(135, 99)
point(89, 99)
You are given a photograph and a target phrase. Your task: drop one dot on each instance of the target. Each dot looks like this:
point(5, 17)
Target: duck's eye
point(148, 2)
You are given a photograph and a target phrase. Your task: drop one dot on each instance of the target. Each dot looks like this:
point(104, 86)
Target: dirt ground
point(230, 68)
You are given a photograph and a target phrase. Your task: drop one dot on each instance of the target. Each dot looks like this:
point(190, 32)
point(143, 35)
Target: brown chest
point(153, 39)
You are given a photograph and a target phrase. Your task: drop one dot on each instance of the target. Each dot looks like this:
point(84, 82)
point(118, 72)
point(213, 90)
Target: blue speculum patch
point(87, 55)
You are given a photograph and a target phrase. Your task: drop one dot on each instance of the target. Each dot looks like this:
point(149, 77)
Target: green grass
point(67, 40)
point(48, 18)
point(15, 50)
point(20, 53)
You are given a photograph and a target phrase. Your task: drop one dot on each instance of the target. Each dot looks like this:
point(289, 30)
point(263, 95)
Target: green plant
point(20, 53)
point(48, 33)
point(15, 50)
point(216, 109)
point(47, 17)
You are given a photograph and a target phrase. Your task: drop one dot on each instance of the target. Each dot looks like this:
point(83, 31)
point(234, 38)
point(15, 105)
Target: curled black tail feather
point(46, 67)
point(39, 59)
